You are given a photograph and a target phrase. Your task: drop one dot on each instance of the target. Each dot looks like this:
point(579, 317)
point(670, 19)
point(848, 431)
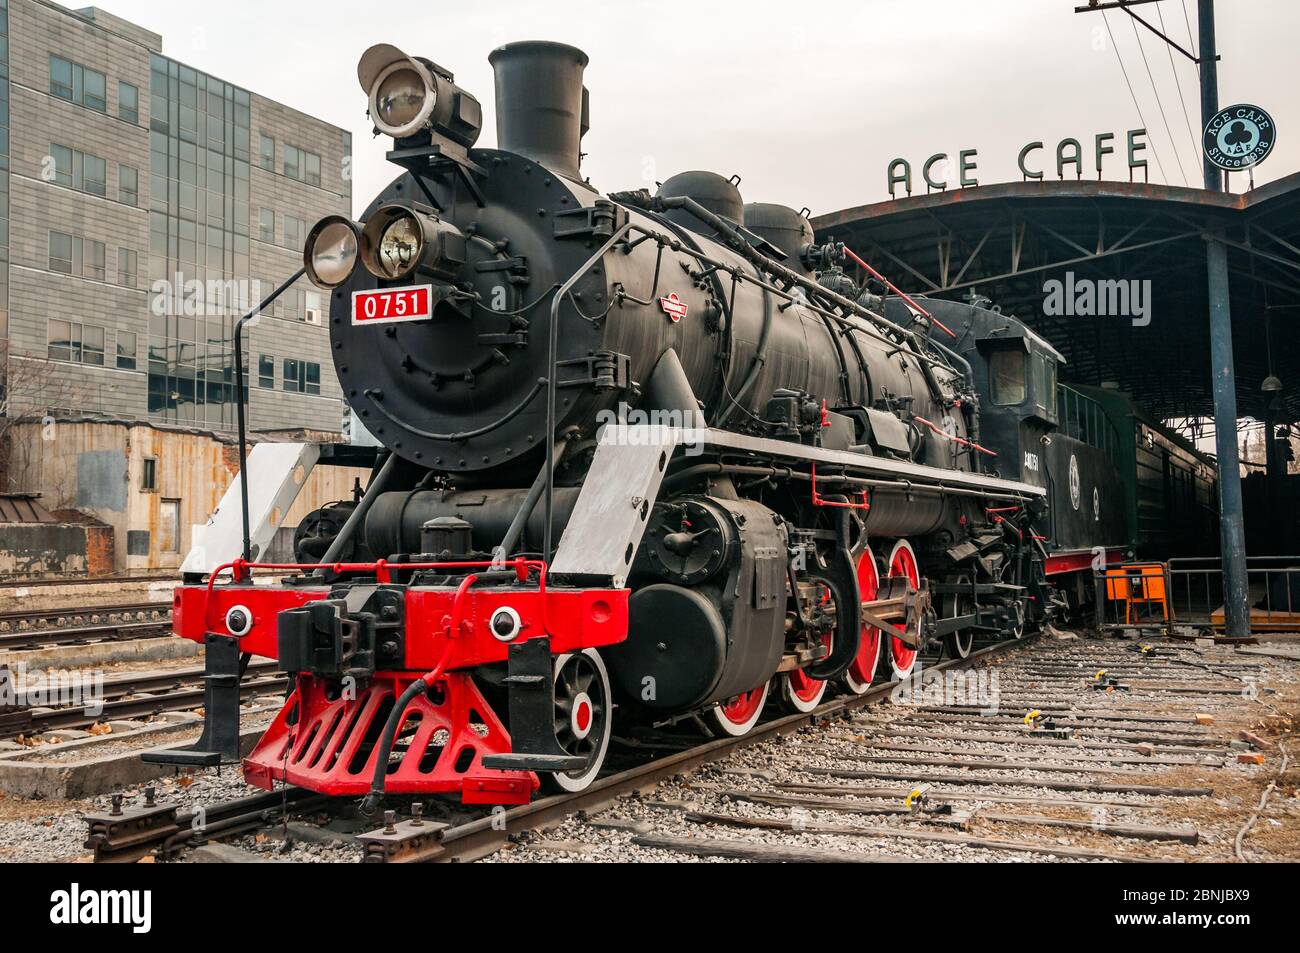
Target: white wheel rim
point(794, 701)
point(570, 782)
point(737, 729)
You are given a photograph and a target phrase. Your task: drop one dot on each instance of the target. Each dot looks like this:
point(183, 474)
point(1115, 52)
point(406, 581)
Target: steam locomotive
point(653, 453)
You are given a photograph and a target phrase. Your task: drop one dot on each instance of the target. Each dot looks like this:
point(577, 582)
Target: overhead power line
point(1123, 69)
point(1178, 157)
point(1182, 100)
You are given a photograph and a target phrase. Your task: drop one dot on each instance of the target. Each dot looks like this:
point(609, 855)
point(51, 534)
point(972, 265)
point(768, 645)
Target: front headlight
point(392, 243)
point(331, 251)
point(397, 241)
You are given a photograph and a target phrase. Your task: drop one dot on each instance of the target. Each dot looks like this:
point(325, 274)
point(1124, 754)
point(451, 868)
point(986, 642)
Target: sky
point(808, 111)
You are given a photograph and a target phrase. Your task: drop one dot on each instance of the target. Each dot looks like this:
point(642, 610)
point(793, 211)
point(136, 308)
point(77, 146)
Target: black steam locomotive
point(656, 452)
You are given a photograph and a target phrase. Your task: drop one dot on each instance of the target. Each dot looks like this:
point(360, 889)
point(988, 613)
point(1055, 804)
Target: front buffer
point(432, 637)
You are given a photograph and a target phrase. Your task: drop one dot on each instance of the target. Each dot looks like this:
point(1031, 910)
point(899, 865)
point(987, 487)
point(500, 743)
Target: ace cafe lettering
point(393, 304)
point(1069, 155)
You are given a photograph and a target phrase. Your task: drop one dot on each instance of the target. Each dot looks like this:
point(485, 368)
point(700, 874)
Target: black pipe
point(370, 803)
point(516, 529)
point(376, 487)
point(239, 401)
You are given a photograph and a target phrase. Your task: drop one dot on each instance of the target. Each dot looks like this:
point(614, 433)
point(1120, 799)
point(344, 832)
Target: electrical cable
point(1128, 82)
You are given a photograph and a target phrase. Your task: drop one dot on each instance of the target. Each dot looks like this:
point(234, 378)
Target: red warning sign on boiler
point(674, 307)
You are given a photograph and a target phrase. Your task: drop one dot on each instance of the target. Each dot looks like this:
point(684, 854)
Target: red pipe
point(894, 288)
point(952, 436)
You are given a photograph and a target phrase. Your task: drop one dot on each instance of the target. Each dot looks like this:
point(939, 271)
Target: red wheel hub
point(903, 563)
point(740, 709)
point(863, 667)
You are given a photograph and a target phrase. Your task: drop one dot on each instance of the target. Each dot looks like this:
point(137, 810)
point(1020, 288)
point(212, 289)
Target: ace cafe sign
point(1239, 137)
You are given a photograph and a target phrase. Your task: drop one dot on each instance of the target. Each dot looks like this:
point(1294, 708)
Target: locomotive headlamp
point(331, 251)
point(398, 240)
point(410, 95)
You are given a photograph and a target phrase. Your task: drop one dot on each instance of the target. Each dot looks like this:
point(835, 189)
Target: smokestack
point(541, 102)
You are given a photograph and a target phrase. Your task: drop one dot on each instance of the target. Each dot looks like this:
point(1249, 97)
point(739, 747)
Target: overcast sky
point(807, 103)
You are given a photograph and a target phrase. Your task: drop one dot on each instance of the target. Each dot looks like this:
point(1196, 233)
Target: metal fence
point(1187, 594)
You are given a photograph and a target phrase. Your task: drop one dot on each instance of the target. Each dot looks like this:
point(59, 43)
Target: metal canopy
point(1006, 241)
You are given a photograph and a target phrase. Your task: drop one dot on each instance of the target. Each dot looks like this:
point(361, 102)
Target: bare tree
point(29, 392)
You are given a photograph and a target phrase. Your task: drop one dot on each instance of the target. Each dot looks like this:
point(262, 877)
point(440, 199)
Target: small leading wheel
point(958, 644)
point(862, 670)
point(736, 716)
point(902, 562)
point(582, 716)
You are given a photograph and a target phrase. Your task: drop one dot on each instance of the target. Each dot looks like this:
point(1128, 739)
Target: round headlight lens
point(331, 252)
point(399, 247)
point(400, 98)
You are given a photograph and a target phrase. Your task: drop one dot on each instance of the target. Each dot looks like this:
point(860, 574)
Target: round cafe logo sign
point(1239, 137)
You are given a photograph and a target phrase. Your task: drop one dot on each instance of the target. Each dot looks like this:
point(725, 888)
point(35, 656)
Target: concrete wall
point(29, 550)
point(98, 468)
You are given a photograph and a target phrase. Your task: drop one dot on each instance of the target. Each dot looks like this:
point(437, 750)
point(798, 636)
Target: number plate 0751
point(394, 304)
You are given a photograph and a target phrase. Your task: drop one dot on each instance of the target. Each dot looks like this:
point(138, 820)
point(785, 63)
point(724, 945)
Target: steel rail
point(486, 835)
point(63, 635)
point(49, 615)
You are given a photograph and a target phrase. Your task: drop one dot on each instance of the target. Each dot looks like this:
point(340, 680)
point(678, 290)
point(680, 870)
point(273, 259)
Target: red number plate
point(396, 304)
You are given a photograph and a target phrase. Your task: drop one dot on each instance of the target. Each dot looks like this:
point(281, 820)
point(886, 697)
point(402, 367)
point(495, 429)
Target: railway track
point(138, 696)
point(1074, 751)
point(26, 629)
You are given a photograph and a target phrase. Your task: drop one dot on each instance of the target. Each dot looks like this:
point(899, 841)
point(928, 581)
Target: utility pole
point(1232, 529)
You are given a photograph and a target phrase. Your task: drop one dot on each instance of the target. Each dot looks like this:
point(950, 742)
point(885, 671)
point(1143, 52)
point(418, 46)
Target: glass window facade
point(199, 230)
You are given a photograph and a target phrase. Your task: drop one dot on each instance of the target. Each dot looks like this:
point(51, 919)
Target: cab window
point(1007, 369)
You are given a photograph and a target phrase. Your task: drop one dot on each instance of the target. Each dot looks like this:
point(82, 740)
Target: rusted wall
point(39, 549)
point(98, 467)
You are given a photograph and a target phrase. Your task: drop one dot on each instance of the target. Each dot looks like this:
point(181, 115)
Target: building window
point(93, 260)
point(149, 474)
point(293, 162)
point(311, 164)
point(60, 77)
point(92, 345)
point(295, 232)
point(128, 264)
point(94, 177)
point(266, 225)
point(126, 350)
point(128, 103)
point(291, 304)
point(79, 170)
point(63, 340)
point(71, 341)
point(266, 154)
point(266, 371)
point(312, 307)
point(62, 158)
point(169, 525)
point(128, 185)
point(61, 257)
point(77, 84)
point(301, 376)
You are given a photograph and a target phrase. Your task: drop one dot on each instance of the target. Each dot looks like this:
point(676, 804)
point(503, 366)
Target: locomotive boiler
point(653, 452)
